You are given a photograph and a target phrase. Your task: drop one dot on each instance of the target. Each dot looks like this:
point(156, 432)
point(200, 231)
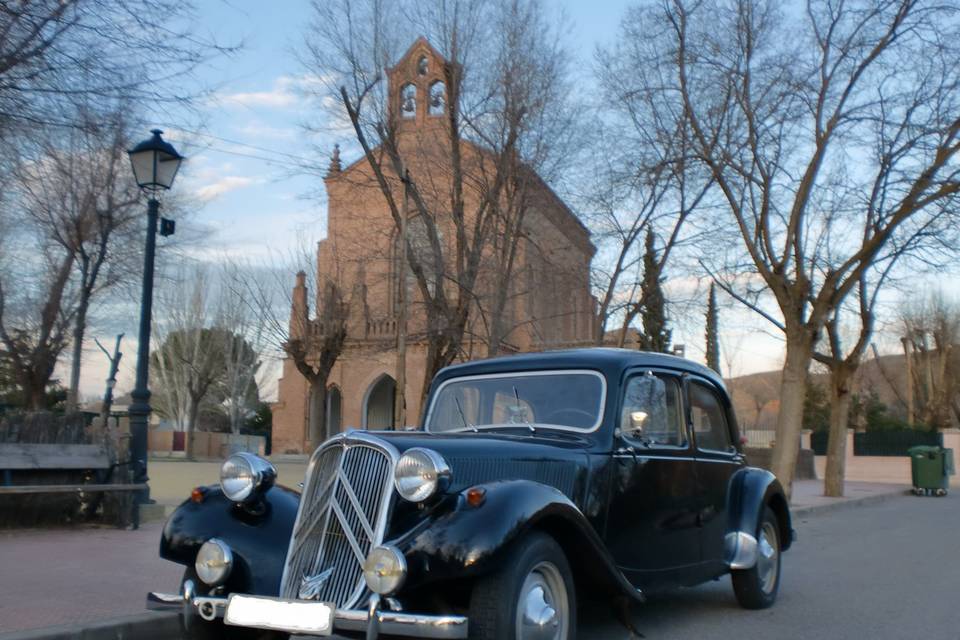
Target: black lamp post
point(155, 164)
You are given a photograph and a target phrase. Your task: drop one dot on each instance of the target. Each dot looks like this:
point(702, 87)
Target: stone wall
point(806, 469)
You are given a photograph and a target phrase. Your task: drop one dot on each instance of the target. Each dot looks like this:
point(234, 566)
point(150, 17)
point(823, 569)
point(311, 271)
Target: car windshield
point(571, 400)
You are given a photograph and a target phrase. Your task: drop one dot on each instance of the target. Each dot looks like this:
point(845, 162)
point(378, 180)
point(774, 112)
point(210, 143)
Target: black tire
point(495, 600)
point(753, 587)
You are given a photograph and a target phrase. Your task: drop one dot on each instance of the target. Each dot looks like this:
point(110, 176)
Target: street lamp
point(155, 164)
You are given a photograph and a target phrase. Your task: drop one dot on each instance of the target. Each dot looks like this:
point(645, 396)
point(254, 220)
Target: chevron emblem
point(310, 585)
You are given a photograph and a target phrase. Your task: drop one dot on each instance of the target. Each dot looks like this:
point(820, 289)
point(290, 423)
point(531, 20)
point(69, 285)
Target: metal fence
point(880, 443)
point(759, 438)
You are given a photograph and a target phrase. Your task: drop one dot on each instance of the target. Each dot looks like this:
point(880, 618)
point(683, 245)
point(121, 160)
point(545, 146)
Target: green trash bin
point(931, 468)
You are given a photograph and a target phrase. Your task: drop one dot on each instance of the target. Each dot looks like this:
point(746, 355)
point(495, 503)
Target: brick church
point(550, 304)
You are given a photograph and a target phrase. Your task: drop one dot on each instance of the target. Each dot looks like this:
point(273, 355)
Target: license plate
point(296, 616)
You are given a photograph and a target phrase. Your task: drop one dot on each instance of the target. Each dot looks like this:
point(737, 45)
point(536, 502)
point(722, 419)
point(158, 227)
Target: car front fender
point(468, 541)
point(258, 535)
point(752, 489)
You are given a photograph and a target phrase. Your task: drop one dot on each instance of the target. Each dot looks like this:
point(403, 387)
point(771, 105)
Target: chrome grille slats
point(343, 514)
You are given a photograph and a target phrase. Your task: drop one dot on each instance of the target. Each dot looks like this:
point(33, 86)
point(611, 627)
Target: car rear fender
point(258, 535)
point(468, 541)
point(752, 489)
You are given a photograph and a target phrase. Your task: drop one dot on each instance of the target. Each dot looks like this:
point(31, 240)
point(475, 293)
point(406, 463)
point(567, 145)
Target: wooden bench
point(59, 457)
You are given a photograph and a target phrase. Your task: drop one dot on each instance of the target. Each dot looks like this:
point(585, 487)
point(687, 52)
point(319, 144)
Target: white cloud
point(287, 91)
point(281, 95)
point(222, 186)
point(261, 130)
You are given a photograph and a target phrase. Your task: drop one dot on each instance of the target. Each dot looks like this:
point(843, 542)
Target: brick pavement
point(77, 575)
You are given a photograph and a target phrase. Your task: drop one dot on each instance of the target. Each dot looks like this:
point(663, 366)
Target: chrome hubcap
point(542, 611)
point(768, 558)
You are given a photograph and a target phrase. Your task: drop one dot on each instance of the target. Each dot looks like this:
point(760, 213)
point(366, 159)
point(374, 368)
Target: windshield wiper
point(466, 424)
point(516, 394)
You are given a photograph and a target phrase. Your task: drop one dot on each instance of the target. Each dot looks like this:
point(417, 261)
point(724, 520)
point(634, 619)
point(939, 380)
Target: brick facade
point(550, 304)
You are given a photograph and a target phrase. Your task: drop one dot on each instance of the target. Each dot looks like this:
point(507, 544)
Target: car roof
point(611, 362)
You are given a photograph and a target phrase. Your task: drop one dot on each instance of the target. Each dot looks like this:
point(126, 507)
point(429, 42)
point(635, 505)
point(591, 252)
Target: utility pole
point(908, 357)
point(400, 397)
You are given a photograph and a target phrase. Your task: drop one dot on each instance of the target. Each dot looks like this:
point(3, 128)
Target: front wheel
point(531, 597)
point(756, 588)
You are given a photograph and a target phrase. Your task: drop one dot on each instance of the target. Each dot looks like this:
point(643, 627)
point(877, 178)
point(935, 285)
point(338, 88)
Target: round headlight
point(214, 561)
point(243, 473)
point(420, 473)
point(385, 570)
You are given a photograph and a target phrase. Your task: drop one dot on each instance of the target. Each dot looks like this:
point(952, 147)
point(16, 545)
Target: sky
point(244, 168)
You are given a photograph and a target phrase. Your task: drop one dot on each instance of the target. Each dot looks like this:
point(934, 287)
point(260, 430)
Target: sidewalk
point(79, 575)
point(808, 498)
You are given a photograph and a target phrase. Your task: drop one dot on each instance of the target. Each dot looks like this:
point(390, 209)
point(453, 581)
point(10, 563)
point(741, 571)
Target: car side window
point(709, 419)
point(651, 411)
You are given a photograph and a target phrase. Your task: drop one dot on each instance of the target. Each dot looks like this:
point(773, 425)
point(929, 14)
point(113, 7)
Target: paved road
point(888, 571)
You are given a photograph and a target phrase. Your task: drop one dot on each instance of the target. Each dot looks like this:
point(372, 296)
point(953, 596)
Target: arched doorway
point(334, 404)
point(378, 403)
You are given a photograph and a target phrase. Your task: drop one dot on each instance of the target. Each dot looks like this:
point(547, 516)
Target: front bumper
point(372, 622)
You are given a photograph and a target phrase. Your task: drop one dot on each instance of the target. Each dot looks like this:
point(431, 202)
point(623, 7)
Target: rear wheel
point(531, 597)
point(756, 588)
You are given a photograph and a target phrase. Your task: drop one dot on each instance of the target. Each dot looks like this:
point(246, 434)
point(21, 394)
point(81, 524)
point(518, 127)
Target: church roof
point(421, 41)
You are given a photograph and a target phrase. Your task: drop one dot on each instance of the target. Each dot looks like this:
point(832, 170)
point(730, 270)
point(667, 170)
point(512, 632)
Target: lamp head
point(155, 162)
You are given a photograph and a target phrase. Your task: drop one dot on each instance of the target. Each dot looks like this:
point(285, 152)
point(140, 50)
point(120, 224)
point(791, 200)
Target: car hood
point(559, 461)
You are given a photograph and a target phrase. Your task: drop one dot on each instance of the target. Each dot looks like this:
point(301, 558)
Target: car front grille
point(342, 515)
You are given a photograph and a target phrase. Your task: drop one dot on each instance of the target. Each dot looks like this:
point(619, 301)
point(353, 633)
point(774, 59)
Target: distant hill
point(756, 397)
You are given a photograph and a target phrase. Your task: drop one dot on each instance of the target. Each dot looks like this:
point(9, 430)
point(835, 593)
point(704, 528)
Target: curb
point(147, 625)
point(848, 504)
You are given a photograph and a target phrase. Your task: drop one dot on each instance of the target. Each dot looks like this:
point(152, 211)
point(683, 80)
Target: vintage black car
point(532, 480)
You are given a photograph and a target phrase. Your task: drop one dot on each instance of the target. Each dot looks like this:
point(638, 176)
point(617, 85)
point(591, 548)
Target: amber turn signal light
point(198, 494)
point(476, 496)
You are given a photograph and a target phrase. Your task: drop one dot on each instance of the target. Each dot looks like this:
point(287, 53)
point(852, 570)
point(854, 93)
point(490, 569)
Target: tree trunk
point(837, 442)
point(793, 389)
point(79, 329)
point(193, 409)
point(496, 332)
point(317, 420)
point(235, 417)
point(36, 396)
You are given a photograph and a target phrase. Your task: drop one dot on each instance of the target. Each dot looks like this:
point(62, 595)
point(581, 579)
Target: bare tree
point(65, 65)
point(311, 342)
point(932, 333)
point(56, 54)
point(647, 181)
point(929, 246)
point(785, 111)
point(35, 320)
point(473, 178)
point(188, 363)
point(82, 197)
point(245, 328)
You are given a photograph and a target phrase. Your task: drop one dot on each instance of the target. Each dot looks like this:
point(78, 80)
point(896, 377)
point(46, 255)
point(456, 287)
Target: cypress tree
point(713, 333)
point(656, 335)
